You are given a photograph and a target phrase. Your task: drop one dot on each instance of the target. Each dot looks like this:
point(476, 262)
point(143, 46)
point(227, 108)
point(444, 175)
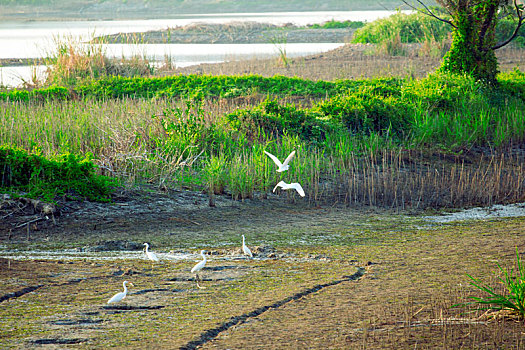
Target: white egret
point(294, 185)
point(284, 165)
point(199, 267)
point(119, 296)
point(150, 255)
point(245, 249)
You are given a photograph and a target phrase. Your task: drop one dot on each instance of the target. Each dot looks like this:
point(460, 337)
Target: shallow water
point(481, 213)
point(71, 254)
point(181, 55)
point(39, 39)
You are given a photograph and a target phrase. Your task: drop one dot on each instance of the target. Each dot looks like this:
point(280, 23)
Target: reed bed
point(139, 140)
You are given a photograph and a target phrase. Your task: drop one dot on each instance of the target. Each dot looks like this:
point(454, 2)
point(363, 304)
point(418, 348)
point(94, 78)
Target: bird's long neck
point(203, 256)
point(147, 246)
point(243, 240)
point(125, 288)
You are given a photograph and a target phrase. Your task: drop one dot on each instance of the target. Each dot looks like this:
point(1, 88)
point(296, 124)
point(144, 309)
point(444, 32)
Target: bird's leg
point(197, 279)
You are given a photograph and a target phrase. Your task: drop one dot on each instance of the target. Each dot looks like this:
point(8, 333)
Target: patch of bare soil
point(351, 61)
point(146, 210)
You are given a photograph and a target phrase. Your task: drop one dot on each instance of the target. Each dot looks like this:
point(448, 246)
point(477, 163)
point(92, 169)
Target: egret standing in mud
point(199, 267)
point(245, 249)
point(284, 165)
point(150, 255)
point(119, 296)
point(294, 185)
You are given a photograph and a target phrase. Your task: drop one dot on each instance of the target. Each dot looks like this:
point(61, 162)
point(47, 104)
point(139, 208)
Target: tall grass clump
point(511, 298)
point(402, 28)
point(74, 61)
point(456, 111)
point(433, 35)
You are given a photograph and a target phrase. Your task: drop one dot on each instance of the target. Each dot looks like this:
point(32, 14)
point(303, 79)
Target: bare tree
point(474, 33)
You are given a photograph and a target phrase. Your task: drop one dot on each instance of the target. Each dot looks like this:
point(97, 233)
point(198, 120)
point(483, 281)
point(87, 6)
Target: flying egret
point(245, 249)
point(119, 296)
point(294, 185)
point(284, 165)
point(199, 267)
point(150, 255)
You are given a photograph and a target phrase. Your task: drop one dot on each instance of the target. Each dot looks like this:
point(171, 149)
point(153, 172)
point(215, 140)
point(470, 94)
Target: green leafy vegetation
point(137, 130)
point(419, 28)
point(511, 298)
point(411, 28)
point(48, 179)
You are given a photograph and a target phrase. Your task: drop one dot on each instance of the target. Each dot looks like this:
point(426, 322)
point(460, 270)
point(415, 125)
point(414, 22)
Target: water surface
point(36, 39)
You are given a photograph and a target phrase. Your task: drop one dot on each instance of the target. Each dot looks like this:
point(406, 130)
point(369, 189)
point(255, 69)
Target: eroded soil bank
point(322, 277)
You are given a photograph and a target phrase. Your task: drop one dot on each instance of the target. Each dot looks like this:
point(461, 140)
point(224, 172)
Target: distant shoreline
point(232, 33)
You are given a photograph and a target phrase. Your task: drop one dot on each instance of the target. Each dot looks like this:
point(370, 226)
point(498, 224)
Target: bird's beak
point(131, 284)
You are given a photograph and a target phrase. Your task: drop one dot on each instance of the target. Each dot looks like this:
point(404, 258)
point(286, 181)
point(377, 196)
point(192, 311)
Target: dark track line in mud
point(57, 341)
point(19, 293)
point(212, 333)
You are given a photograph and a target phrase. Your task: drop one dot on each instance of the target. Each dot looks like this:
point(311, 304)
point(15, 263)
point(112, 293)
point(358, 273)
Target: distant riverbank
point(232, 33)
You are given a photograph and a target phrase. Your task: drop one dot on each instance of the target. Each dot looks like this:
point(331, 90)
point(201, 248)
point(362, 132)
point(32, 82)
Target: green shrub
point(48, 178)
point(412, 28)
point(44, 94)
point(367, 113)
point(271, 118)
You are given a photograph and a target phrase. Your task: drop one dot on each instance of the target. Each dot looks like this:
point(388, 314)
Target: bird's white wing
point(289, 158)
point(247, 251)
point(298, 188)
point(280, 184)
point(153, 256)
point(117, 297)
point(198, 267)
point(274, 158)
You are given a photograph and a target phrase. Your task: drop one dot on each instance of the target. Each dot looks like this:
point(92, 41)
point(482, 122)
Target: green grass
point(513, 297)
point(196, 143)
point(419, 28)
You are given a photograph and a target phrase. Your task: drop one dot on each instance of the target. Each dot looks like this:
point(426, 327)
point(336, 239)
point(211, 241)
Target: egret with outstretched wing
point(281, 166)
point(294, 185)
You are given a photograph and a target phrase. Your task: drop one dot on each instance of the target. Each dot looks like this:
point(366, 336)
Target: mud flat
point(323, 276)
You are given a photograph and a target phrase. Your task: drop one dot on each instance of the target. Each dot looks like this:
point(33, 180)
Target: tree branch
point(489, 18)
point(521, 17)
point(427, 12)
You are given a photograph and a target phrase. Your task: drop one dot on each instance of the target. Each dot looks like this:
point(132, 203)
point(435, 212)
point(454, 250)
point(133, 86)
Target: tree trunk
point(473, 39)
